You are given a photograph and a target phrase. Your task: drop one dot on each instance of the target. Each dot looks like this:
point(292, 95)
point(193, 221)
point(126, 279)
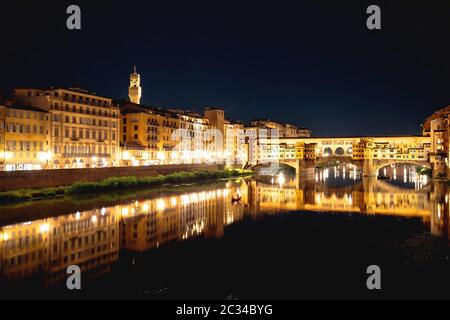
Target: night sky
point(312, 63)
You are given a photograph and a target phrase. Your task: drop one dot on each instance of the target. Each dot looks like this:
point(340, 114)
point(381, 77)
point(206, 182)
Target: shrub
point(118, 183)
point(14, 196)
point(43, 193)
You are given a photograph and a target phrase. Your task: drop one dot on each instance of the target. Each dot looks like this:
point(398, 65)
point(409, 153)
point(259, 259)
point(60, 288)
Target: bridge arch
point(327, 152)
point(380, 164)
point(339, 151)
point(273, 168)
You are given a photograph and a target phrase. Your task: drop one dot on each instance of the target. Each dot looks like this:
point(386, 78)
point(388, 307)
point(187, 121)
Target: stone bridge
point(369, 154)
point(368, 167)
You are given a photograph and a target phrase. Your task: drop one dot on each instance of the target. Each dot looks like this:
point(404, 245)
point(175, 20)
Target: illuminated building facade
point(83, 126)
point(235, 148)
point(284, 129)
point(2, 137)
point(147, 135)
point(437, 128)
point(198, 140)
point(157, 136)
point(25, 140)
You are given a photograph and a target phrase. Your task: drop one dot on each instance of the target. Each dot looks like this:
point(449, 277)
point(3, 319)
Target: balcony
point(133, 147)
point(84, 155)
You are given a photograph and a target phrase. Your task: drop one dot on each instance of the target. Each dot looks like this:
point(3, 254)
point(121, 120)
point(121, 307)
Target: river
point(311, 237)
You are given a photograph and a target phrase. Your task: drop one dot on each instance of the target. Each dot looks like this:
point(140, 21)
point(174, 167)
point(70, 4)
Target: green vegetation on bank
point(116, 184)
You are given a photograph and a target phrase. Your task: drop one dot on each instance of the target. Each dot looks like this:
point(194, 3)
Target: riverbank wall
point(64, 177)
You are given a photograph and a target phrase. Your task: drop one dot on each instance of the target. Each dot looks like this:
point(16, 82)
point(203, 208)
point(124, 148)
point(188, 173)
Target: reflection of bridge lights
point(318, 198)
point(281, 179)
point(160, 205)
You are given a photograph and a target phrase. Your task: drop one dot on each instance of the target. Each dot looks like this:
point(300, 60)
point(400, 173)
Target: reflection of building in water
point(24, 249)
point(92, 239)
point(89, 240)
point(152, 223)
point(370, 197)
point(440, 210)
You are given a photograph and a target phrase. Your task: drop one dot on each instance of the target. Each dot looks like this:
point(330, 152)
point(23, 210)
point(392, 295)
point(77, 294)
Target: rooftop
point(71, 89)
point(26, 108)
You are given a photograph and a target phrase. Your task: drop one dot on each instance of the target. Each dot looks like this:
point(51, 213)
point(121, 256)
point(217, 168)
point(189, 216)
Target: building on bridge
point(437, 128)
point(284, 129)
point(369, 153)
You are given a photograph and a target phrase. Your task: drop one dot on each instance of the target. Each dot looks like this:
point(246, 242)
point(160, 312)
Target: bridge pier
point(369, 168)
point(300, 166)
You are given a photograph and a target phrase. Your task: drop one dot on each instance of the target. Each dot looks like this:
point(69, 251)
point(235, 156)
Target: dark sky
point(312, 63)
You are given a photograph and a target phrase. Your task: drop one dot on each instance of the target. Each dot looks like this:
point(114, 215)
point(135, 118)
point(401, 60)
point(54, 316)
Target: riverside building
point(83, 127)
point(24, 138)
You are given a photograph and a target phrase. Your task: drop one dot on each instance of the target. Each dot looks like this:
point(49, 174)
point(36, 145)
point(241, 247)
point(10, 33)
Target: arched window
point(327, 152)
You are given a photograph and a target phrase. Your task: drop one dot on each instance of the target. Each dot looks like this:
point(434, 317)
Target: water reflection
point(93, 238)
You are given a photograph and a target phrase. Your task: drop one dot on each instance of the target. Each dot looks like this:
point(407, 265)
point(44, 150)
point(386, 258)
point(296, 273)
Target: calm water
point(312, 238)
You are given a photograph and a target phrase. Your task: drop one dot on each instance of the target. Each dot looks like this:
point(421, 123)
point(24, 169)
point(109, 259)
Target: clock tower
point(135, 90)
